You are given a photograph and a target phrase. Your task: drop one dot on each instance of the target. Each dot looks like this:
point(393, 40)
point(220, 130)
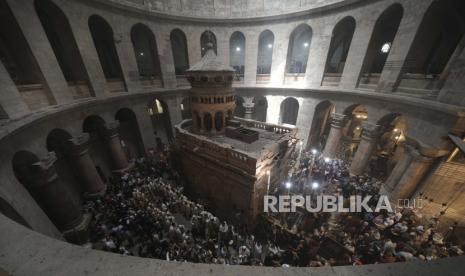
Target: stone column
point(357, 52)
point(365, 148)
point(202, 123)
point(90, 179)
point(407, 173)
point(278, 65)
point(338, 122)
point(85, 43)
point(120, 162)
point(125, 54)
point(53, 195)
point(193, 45)
point(248, 105)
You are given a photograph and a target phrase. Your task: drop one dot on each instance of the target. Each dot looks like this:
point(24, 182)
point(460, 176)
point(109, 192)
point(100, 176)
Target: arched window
point(180, 53)
point(439, 33)
point(340, 45)
point(289, 111)
point(299, 49)
point(380, 45)
point(62, 40)
point(237, 54)
point(19, 61)
point(146, 52)
point(265, 53)
point(205, 38)
point(102, 35)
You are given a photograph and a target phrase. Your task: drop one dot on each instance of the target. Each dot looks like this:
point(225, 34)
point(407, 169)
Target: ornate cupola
point(212, 95)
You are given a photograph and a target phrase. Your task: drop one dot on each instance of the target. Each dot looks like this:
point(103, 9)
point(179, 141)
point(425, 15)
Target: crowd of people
point(365, 237)
point(146, 213)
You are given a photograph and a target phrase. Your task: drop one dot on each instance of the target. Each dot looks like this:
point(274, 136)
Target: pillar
point(365, 148)
point(251, 54)
point(338, 122)
point(10, 98)
point(357, 52)
point(165, 56)
point(222, 45)
point(248, 105)
point(193, 45)
point(120, 162)
point(90, 179)
point(53, 195)
point(86, 46)
point(125, 54)
point(202, 123)
point(407, 173)
point(278, 66)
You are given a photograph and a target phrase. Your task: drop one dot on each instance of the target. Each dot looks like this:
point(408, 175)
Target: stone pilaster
point(319, 49)
point(338, 121)
point(90, 179)
point(41, 49)
point(120, 162)
point(86, 46)
point(278, 65)
point(126, 57)
point(357, 52)
point(165, 56)
point(54, 196)
point(251, 53)
point(10, 98)
point(248, 105)
point(365, 149)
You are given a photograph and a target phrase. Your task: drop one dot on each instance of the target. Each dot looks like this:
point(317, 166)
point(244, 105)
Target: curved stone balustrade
point(25, 252)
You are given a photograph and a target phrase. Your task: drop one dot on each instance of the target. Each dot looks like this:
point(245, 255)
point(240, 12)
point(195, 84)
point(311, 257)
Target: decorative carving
point(112, 129)
point(338, 120)
point(80, 144)
point(370, 131)
point(43, 172)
